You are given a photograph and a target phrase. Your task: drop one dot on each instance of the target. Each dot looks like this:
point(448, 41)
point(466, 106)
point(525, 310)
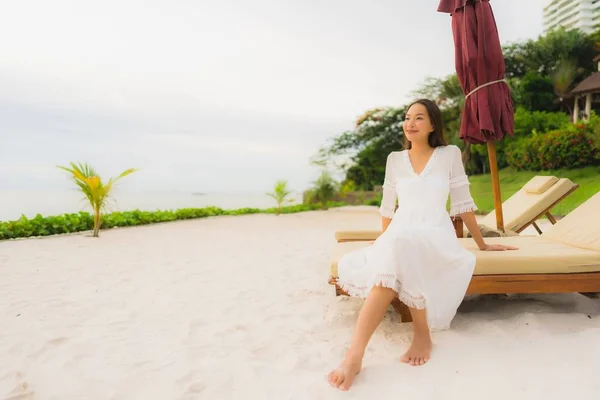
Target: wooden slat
point(535, 283)
point(402, 309)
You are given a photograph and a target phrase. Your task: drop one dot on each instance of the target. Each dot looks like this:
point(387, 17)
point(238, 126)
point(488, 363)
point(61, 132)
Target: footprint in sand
point(197, 388)
point(49, 345)
point(194, 330)
point(277, 356)
point(22, 392)
point(57, 341)
point(193, 386)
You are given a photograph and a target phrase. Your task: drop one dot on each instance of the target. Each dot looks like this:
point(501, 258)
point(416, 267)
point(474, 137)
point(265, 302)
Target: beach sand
point(239, 308)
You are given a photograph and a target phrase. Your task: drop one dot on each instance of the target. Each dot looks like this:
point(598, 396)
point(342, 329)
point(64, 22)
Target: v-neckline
point(425, 168)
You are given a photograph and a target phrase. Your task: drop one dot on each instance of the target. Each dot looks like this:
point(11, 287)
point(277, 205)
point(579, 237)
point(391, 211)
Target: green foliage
point(527, 123)
point(545, 53)
point(368, 169)
point(365, 148)
point(95, 191)
point(564, 148)
point(347, 186)
point(43, 226)
point(534, 92)
point(280, 194)
point(83, 221)
point(324, 189)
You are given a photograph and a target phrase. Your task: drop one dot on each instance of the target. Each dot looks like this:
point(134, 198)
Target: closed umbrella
point(488, 113)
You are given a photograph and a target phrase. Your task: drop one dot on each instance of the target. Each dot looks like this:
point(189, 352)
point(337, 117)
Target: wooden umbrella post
point(491, 145)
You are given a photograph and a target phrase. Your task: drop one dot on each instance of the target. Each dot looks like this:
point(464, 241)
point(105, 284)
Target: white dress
point(418, 255)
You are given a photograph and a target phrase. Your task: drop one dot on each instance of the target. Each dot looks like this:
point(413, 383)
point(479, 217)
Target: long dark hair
point(436, 138)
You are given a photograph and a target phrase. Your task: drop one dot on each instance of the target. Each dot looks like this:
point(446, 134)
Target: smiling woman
point(417, 260)
point(423, 126)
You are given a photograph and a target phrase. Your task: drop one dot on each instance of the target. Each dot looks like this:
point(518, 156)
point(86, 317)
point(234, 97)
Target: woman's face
point(417, 125)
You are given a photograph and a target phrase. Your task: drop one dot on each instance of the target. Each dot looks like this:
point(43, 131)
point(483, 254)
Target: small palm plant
point(280, 193)
point(95, 191)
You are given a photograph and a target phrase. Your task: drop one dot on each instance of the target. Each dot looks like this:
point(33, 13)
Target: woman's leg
point(370, 317)
point(420, 349)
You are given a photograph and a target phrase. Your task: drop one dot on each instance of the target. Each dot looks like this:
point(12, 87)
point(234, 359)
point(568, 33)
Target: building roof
point(588, 85)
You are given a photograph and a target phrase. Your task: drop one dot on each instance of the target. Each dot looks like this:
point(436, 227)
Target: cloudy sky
point(222, 96)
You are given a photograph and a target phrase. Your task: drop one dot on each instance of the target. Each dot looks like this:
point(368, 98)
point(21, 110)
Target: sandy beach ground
point(240, 308)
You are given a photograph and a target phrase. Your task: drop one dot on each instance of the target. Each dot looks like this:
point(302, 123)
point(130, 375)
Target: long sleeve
point(388, 201)
point(460, 194)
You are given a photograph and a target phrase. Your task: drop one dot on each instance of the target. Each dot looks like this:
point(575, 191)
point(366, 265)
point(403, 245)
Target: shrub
point(84, 221)
point(324, 189)
point(565, 148)
point(527, 123)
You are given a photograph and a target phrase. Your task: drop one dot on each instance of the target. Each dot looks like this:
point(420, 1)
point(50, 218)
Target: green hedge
point(84, 221)
point(564, 148)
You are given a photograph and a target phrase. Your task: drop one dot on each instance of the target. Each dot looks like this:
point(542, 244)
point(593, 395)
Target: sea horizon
point(48, 202)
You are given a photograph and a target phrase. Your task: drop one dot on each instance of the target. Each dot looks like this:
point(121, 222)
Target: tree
point(364, 149)
point(544, 54)
point(97, 193)
point(534, 92)
point(280, 193)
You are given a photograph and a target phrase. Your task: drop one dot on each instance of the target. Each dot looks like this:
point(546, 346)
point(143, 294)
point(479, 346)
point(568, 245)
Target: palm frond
point(92, 187)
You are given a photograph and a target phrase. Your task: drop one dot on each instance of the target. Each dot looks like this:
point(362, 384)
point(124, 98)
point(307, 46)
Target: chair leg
point(339, 291)
point(458, 226)
point(550, 218)
point(402, 309)
point(537, 228)
point(591, 295)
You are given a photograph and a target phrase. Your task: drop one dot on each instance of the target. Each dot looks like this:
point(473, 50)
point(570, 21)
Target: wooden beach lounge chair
point(533, 201)
point(563, 259)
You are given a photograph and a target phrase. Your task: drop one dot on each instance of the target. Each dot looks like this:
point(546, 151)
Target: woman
point(417, 258)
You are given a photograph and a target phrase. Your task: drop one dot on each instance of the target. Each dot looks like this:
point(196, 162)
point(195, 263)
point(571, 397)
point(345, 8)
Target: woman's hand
point(497, 247)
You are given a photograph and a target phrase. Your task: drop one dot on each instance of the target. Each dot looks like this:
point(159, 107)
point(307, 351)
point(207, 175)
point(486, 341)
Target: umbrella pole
point(495, 184)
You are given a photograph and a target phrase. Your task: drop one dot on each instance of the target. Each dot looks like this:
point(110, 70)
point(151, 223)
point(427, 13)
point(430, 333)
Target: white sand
point(239, 308)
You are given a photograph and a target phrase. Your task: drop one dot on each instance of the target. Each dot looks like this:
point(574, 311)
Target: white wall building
point(571, 14)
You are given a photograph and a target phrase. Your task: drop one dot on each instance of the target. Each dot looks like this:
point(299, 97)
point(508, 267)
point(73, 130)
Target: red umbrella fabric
point(488, 112)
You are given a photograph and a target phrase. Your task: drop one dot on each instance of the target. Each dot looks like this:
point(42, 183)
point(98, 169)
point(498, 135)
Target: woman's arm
point(389, 196)
point(471, 223)
point(462, 203)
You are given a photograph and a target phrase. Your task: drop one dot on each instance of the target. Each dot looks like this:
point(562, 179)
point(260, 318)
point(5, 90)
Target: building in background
point(571, 14)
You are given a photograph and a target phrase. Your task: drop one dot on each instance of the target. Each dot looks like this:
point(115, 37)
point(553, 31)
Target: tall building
point(571, 14)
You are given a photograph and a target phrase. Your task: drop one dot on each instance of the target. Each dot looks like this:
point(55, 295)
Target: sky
point(210, 96)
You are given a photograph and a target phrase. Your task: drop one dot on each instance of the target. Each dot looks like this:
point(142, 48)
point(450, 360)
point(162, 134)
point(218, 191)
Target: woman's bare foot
point(419, 351)
point(343, 376)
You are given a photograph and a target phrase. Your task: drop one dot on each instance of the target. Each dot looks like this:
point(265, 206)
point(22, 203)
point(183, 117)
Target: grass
point(511, 181)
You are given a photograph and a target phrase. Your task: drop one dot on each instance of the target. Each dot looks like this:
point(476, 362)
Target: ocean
point(15, 203)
